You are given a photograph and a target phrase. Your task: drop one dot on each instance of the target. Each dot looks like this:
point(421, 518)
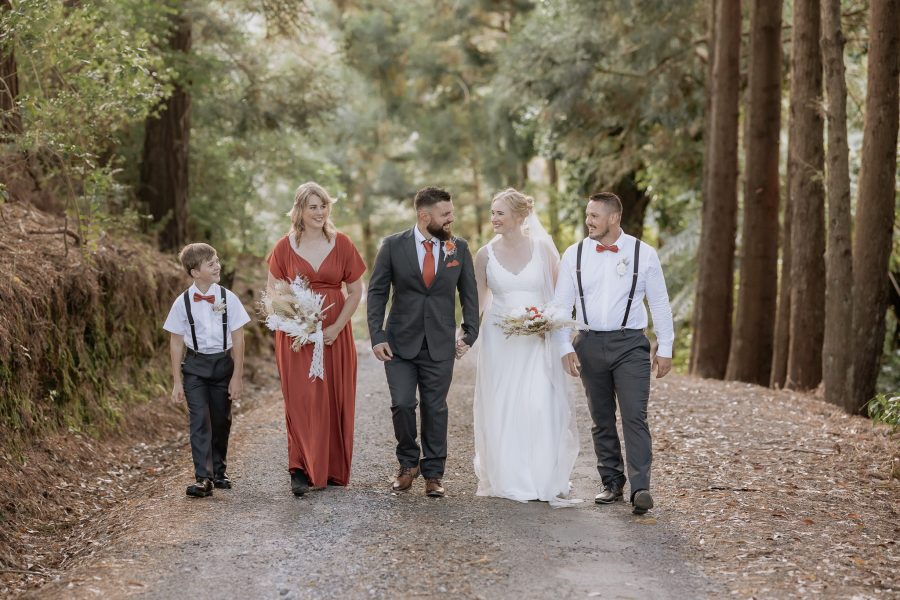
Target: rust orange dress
point(319, 413)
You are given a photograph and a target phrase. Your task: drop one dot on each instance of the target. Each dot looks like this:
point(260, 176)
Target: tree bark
point(164, 170)
point(634, 205)
point(875, 203)
point(751, 344)
point(837, 366)
point(707, 152)
point(553, 201)
point(716, 253)
point(807, 202)
point(10, 119)
point(783, 317)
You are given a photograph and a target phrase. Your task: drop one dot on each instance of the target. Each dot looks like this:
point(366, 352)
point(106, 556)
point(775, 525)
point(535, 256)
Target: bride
point(526, 439)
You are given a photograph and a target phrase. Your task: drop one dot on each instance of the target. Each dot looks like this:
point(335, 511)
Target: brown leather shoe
point(403, 480)
point(434, 488)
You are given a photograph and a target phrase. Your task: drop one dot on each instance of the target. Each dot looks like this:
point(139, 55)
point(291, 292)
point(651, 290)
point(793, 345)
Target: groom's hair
point(430, 196)
point(612, 202)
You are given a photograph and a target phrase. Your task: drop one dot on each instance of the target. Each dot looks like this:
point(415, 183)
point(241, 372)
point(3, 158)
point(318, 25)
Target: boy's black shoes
point(201, 489)
point(222, 482)
point(641, 502)
point(299, 483)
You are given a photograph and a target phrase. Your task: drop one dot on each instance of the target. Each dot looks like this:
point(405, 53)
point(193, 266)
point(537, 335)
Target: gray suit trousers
point(432, 378)
point(616, 365)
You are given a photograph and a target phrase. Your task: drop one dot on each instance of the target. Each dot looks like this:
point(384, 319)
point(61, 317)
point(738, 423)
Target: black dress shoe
point(299, 483)
point(641, 502)
point(222, 482)
point(612, 492)
point(201, 489)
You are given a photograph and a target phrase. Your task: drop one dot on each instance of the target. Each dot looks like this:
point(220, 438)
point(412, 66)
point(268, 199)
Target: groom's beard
point(439, 232)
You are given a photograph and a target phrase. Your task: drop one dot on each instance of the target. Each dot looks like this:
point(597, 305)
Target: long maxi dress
point(319, 413)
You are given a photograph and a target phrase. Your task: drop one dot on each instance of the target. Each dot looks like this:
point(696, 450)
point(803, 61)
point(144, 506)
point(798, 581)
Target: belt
point(192, 352)
point(611, 331)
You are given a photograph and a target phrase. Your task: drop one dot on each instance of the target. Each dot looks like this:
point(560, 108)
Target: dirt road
point(259, 541)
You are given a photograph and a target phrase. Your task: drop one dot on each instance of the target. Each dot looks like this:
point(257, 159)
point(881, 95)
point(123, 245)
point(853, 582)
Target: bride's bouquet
point(293, 308)
point(536, 320)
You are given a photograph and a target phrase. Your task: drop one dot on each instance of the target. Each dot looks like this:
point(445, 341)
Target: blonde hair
point(306, 192)
point(520, 204)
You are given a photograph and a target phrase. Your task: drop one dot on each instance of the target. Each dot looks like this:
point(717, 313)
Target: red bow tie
point(198, 297)
point(602, 248)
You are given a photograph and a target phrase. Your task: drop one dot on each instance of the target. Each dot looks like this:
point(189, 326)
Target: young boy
point(207, 319)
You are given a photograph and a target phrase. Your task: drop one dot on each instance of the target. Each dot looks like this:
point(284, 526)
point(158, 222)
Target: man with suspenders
point(606, 277)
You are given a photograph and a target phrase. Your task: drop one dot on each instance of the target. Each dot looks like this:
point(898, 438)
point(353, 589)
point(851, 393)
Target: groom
point(426, 267)
point(606, 277)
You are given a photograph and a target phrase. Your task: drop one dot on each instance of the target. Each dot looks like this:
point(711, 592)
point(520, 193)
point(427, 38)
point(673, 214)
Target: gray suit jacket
point(417, 312)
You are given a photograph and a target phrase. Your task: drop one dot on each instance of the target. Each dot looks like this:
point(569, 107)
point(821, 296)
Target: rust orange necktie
point(428, 264)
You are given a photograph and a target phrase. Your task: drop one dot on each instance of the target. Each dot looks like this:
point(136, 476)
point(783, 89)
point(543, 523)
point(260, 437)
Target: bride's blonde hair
point(520, 204)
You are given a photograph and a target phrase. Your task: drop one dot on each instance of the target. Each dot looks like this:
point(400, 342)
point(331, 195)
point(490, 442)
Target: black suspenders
point(225, 313)
point(577, 274)
point(190, 316)
point(187, 308)
point(637, 260)
point(634, 278)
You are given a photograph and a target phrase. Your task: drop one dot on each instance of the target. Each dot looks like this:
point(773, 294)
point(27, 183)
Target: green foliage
point(884, 408)
point(87, 73)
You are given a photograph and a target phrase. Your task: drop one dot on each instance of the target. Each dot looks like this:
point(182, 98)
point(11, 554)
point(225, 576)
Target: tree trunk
point(783, 317)
point(716, 253)
point(875, 203)
point(164, 170)
point(754, 329)
point(807, 202)
point(553, 204)
point(476, 192)
point(707, 139)
point(837, 366)
point(10, 119)
point(634, 205)
point(368, 237)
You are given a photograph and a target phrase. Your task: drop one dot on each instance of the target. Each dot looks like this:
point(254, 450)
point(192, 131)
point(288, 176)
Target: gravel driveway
point(259, 541)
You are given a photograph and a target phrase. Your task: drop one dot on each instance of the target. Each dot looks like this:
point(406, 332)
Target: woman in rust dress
point(319, 412)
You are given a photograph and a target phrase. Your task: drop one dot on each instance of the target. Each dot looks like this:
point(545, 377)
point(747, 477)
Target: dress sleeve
point(354, 266)
point(277, 264)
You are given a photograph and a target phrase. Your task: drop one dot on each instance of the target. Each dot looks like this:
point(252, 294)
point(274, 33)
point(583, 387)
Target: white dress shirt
point(606, 278)
point(420, 249)
point(207, 322)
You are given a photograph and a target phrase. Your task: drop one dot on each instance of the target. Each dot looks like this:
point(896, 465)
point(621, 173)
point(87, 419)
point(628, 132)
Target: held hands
point(383, 352)
point(571, 364)
point(461, 348)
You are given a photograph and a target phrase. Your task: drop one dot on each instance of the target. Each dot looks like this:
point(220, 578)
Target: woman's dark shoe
point(222, 482)
point(299, 483)
point(201, 489)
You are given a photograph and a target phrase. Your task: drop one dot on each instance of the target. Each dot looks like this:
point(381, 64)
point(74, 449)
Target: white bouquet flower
point(536, 320)
point(296, 310)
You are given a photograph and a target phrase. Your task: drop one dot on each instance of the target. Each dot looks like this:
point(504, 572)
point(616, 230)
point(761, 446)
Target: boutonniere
point(622, 265)
point(449, 249)
point(218, 307)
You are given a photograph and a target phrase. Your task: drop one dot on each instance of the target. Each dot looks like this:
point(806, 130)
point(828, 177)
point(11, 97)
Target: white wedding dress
point(526, 441)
